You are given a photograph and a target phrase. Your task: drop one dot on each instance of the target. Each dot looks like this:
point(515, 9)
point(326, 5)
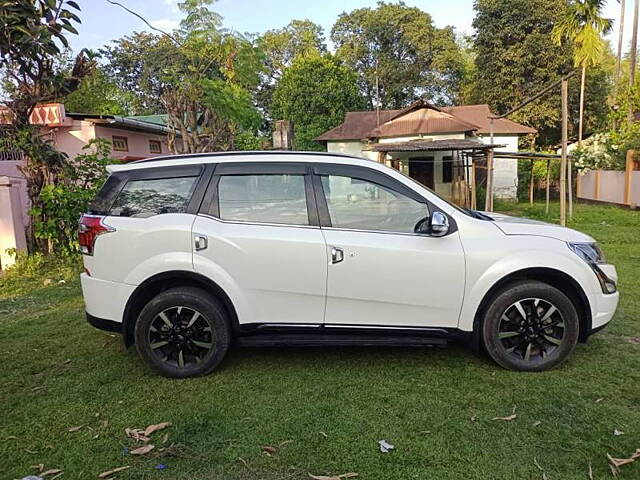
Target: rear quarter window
point(148, 197)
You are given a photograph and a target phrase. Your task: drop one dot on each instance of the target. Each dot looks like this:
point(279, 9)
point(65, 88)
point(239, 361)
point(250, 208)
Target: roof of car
point(238, 156)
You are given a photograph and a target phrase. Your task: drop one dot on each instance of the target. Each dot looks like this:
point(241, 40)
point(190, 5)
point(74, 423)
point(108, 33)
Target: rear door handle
point(200, 242)
point(337, 254)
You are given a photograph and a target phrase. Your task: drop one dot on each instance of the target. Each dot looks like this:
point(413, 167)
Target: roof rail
point(244, 152)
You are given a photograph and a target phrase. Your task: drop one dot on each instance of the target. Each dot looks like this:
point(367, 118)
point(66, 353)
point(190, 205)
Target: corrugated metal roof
point(359, 125)
point(430, 146)
point(479, 115)
point(423, 120)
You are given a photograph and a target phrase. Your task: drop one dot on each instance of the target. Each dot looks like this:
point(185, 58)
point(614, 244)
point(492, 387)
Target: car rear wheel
point(530, 326)
point(182, 332)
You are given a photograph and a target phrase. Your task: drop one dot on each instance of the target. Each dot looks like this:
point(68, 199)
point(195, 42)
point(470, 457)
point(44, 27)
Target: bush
point(38, 269)
point(599, 152)
point(56, 218)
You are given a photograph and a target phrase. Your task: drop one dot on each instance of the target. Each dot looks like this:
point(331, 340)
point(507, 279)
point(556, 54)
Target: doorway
point(421, 170)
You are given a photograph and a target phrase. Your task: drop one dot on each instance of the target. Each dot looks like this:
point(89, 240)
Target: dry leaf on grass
point(137, 434)
point(323, 434)
point(286, 442)
point(535, 424)
point(154, 428)
point(51, 471)
point(268, 449)
point(599, 400)
point(75, 429)
point(513, 416)
point(590, 472)
point(108, 473)
point(142, 450)
point(334, 477)
point(165, 438)
point(38, 467)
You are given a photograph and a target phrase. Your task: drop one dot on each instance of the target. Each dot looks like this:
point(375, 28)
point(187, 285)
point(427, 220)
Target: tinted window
point(144, 198)
point(263, 199)
point(362, 205)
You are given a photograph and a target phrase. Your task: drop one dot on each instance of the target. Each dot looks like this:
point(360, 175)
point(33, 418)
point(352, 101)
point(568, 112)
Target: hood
point(524, 226)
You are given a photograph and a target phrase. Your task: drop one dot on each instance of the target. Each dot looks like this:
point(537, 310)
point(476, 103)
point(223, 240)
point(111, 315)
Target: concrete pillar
point(11, 226)
point(283, 135)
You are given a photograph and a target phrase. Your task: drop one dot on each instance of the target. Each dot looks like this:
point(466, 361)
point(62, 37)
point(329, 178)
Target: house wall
point(138, 142)
point(71, 140)
point(505, 170)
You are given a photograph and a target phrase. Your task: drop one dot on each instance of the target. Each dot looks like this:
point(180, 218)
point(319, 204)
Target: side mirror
point(439, 225)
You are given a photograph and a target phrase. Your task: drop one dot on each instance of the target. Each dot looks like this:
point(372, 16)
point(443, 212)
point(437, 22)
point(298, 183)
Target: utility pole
point(563, 161)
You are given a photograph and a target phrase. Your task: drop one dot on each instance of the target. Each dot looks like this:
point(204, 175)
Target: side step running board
point(337, 340)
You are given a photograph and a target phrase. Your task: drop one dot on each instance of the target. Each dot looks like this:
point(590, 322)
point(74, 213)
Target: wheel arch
point(556, 278)
point(163, 281)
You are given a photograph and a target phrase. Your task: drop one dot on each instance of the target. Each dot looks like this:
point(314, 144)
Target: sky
point(103, 22)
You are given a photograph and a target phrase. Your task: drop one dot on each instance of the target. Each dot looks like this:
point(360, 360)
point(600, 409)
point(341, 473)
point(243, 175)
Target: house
point(433, 145)
point(132, 138)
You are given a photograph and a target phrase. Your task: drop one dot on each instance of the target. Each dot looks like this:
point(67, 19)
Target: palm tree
point(634, 45)
point(584, 26)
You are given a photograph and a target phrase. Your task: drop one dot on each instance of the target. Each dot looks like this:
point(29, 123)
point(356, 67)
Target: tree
point(32, 35)
point(516, 58)
point(280, 47)
point(398, 51)
point(97, 94)
point(315, 93)
point(201, 76)
point(583, 25)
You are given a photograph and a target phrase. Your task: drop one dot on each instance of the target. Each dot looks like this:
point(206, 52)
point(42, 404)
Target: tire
point(177, 343)
point(541, 339)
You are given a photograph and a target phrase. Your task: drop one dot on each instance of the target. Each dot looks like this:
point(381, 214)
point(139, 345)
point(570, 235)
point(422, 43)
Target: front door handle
point(337, 255)
point(200, 242)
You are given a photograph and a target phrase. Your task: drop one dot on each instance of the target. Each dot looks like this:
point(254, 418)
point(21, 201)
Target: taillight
point(89, 227)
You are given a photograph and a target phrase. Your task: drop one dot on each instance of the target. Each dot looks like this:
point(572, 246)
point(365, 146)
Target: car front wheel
point(530, 326)
point(182, 332)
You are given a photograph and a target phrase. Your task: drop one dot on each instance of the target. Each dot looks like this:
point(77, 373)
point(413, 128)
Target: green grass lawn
point(323, 409)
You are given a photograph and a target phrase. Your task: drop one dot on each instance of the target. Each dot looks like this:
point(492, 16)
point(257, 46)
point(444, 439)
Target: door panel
point(278, 272)
point(385, 273)
point(396, 280)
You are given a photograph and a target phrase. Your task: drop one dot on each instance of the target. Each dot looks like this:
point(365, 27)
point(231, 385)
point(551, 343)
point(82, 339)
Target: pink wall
point(71, 139)
point(138, 142)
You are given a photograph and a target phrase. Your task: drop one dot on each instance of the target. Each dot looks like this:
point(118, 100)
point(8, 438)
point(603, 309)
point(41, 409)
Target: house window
point(155, 146)
point(447, 169)
point(120, 144)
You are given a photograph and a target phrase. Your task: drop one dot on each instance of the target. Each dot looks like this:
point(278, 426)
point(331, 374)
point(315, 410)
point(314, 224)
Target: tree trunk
point(620, 36)
point(634, 44)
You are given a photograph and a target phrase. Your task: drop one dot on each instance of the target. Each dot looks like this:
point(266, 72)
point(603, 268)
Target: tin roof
point(430, 146)
point(360, 125)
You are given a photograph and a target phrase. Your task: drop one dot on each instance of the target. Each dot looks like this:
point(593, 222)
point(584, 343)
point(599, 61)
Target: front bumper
point(602, 309)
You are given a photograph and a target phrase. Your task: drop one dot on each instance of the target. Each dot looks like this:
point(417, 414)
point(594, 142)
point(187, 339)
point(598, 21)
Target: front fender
point(481, 279)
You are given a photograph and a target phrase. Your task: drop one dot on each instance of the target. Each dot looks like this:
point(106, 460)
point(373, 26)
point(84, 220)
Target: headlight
point(591, 254)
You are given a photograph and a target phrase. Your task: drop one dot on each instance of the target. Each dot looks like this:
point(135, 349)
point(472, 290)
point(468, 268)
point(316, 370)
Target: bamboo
point(474, 200)
point(563, 161)
point(488, 201)
point(546, 208)
point(531, 181)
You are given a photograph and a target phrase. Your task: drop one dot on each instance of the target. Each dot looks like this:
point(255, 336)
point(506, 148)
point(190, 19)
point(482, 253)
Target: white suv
point(185, 255)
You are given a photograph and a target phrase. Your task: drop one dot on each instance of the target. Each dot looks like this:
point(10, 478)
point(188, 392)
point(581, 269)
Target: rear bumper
point(104, 299)
point(103, 324)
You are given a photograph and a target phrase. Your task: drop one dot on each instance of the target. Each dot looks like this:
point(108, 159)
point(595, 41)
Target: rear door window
point(263, 198)
point(148, 197)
